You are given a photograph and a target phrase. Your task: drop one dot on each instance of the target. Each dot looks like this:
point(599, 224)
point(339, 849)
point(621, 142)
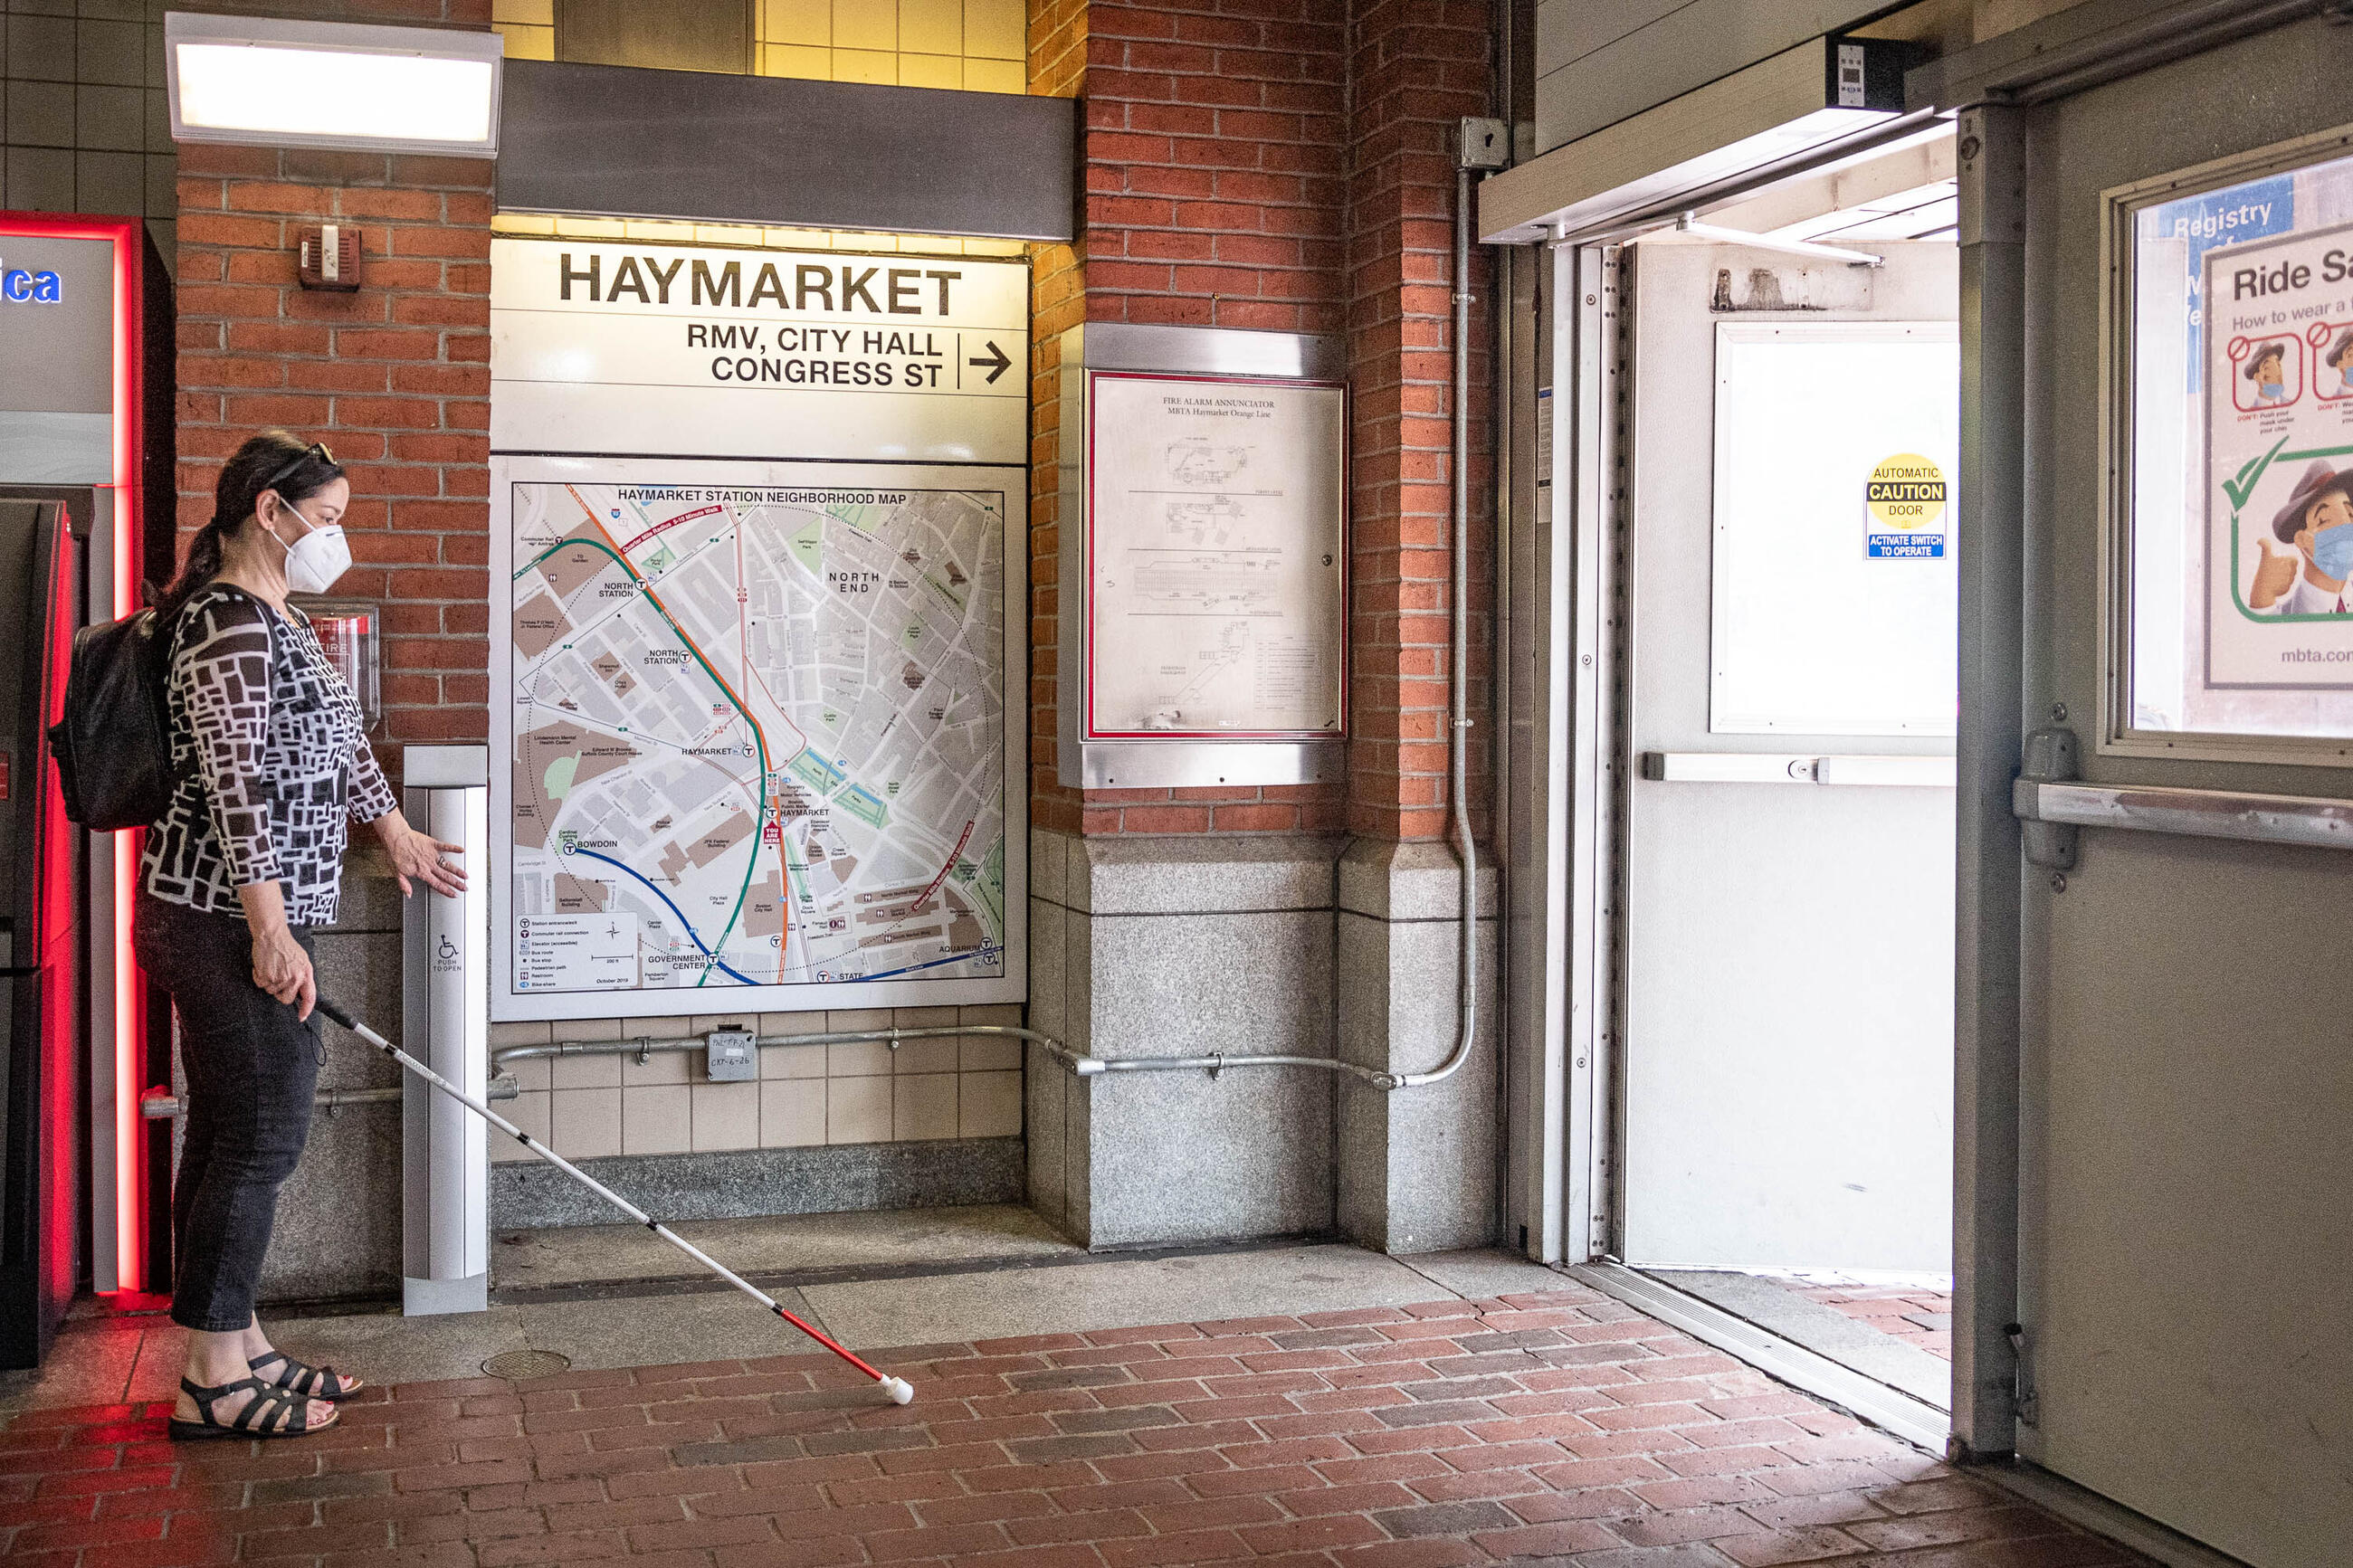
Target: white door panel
point(1792, 951)
point(1787, 1079)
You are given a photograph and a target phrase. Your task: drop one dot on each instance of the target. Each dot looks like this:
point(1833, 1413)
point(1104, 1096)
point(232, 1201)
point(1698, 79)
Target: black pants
point(252, 1068)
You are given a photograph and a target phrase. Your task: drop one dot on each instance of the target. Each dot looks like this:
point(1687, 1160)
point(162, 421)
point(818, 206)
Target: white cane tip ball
point(901, 1391)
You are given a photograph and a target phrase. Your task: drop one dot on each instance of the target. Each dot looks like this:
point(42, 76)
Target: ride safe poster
point(2279, 461)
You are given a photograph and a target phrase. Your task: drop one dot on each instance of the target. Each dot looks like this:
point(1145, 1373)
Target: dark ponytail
point(272, 460)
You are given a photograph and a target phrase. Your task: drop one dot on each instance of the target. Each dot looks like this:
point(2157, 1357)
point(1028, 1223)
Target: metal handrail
point(2315, 822)
point(161, 1105)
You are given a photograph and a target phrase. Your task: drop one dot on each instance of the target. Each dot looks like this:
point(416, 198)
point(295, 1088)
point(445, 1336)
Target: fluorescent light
point(323, 84)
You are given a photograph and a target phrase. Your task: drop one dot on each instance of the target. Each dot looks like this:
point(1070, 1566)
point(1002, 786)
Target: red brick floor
point(1917, 1317)
point(1560, 1428)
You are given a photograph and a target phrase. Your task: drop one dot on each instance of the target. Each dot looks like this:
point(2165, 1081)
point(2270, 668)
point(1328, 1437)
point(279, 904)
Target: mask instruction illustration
point(2279, 459)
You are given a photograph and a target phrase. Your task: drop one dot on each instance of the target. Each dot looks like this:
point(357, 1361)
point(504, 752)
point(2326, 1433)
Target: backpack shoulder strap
point(228, 590)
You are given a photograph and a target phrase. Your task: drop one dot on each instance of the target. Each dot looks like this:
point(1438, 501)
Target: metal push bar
point(899, 1390)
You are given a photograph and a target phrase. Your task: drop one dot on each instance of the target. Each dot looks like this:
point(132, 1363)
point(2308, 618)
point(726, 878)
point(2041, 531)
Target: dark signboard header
point(620, 140)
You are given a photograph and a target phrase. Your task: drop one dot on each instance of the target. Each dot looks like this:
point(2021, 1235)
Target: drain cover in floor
point(523, 1364)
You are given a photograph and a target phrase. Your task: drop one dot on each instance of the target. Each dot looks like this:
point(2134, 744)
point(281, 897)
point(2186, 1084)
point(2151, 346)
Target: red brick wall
point(1415, 68)
point(394, 378)
point(1057, 69)
point(1277, 165)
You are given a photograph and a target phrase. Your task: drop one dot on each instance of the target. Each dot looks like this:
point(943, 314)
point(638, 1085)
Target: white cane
point(898, 1388)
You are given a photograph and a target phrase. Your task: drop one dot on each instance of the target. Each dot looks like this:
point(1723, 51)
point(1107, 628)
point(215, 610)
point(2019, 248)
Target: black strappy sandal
point(265, 1415)
point(310, 1381)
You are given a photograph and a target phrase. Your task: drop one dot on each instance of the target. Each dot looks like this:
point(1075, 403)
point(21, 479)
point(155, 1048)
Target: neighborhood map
point(758, 737)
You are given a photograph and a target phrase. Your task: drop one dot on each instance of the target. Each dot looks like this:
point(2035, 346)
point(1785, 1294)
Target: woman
point(268, 746)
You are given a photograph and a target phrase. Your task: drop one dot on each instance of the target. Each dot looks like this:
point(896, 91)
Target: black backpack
point(113, 747)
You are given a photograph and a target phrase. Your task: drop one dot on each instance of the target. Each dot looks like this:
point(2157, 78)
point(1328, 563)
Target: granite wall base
point(730, 1184)
point(1416, 1166)
point(1177, 947)
point(1293, 946)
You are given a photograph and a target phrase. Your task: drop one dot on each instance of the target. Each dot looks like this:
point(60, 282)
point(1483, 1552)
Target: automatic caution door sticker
point(1905, 502)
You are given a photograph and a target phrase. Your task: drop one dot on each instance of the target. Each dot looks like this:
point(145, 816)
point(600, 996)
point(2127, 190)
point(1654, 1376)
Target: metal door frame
point(1559, 778)
point(1586, 759)
point(1575, 764)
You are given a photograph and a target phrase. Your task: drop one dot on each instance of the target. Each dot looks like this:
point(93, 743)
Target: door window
point(2238, 355)
point(1833, 582)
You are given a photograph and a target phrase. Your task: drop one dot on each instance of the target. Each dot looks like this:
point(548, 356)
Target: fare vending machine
point(44, 956)
point(85, 456)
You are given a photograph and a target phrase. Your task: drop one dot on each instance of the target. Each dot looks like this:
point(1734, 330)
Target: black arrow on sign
point(1001, 364)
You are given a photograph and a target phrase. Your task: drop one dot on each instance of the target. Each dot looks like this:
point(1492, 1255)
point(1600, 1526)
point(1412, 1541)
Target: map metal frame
point(734, 993)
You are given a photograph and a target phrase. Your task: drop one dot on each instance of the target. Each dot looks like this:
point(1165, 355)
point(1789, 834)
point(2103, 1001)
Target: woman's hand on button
point(281, 968)
point(419, 856)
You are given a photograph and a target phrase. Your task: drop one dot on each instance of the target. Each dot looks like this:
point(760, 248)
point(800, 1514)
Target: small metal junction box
point(731, 1055)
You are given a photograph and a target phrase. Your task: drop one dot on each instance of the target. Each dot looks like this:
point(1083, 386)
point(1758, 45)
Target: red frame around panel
point(1087, 651)
point(127, 236)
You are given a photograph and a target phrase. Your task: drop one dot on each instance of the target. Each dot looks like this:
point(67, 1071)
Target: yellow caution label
point(1906, 493)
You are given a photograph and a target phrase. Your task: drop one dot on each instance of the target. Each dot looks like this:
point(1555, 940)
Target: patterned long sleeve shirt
point(271, 753)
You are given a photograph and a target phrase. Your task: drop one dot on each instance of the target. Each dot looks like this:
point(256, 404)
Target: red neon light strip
point(125, 235)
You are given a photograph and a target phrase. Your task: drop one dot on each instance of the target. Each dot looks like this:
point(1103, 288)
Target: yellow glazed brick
point(858, 1110)
point(523, 223)
point(867, 66)
point(796, 22)
point(923, 1106)
point(592, 228)
point(994, 30)
point(728, 234)
point(989, 1104)
point(931, 70)
point(843, 239)
point(660, 233)
point(994, 76)
point(865, 25)
point(585, 1123)
point(930, 245)
point(930, 27)
point(538, 13)
point(793, 60)
point(802, 239)
point(996, 247)
point(524, 42)
point(530, 1111)
point(792, 1113)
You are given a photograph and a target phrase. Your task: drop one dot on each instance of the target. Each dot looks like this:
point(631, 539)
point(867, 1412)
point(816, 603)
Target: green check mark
point(2244, 486)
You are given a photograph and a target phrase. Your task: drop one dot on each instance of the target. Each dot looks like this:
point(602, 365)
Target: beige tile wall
point(962, 1086)
point(975, 44)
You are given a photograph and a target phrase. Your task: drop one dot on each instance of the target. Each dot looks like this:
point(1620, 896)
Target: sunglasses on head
point(315, 449)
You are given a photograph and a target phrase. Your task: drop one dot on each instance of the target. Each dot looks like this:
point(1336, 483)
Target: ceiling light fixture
point(1805, 247)
point(259, 83)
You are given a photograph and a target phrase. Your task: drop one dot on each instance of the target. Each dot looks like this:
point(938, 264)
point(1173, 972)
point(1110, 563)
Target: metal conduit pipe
point(1084, 1065)
point(1457, 655)
point(156, 1105)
